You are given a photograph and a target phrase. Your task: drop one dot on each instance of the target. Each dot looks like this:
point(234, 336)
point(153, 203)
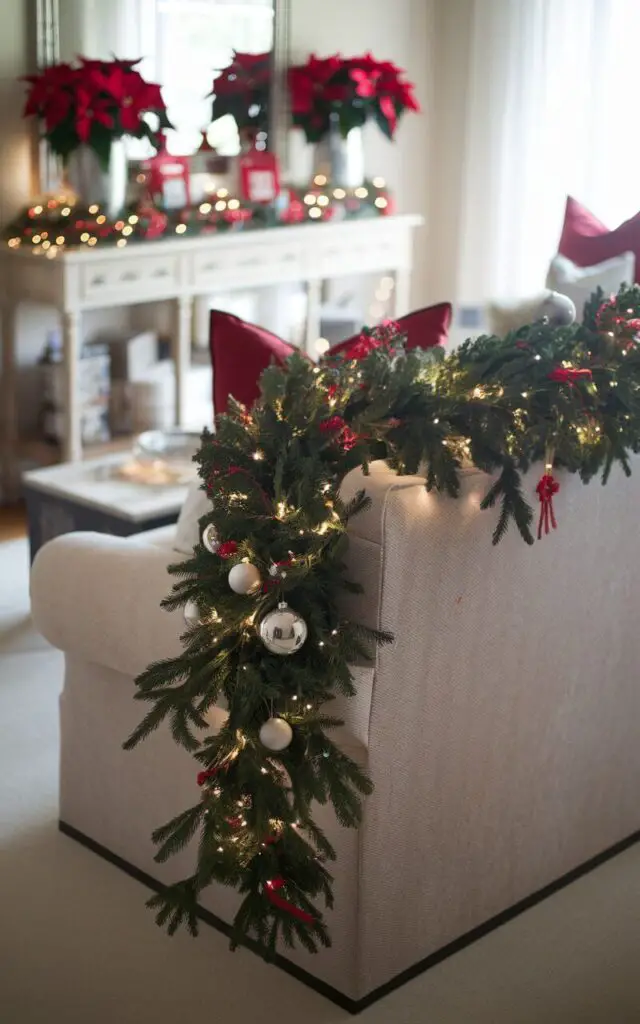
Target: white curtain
point(551, 111)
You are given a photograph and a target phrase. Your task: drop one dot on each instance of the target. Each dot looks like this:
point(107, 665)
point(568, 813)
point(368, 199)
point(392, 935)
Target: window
point(185, 42)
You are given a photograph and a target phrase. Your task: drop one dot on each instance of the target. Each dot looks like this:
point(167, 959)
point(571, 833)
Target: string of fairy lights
point(59, 221)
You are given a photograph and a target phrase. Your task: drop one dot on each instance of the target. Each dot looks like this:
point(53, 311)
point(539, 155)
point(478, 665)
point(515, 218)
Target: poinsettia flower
point(365, 81)
point(250, 61)
point(47, 86)
point(369, 63)
point(153, 97)
point(90, 109)
point(56, 109)
point(388, 110)
point(309, 83)
point(129, 91)
point(406, 97)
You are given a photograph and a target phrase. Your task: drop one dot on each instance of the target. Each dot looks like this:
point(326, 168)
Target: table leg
point(402, 291)
point(201, 316)
point(9, 406)
point(182, 355)
point(72, 440)
point(314, 296)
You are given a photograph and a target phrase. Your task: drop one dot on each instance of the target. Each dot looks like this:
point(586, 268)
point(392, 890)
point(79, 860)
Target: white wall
point(402, 31)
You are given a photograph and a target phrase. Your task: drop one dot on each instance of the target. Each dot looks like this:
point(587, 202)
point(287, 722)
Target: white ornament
point(192, 614)
point(244, 578)
point(276, 734)
point(559, 310)
point(210, 538)
point(283, 631)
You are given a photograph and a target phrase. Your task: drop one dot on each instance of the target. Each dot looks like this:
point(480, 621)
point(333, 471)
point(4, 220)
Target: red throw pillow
point(239, 353)
point(425, 328)
point(587, 241)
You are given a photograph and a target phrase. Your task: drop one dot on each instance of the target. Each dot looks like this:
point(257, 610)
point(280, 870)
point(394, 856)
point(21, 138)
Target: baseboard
point(352, 1005)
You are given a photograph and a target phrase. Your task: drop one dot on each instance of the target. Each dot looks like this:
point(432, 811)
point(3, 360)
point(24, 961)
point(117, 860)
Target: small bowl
point(163, 458)
point(169, 445)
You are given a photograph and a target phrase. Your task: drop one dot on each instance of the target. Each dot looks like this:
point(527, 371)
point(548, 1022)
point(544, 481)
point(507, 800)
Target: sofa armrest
point(99, 597)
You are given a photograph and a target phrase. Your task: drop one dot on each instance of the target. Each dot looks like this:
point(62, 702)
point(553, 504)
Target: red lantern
point(259, 177)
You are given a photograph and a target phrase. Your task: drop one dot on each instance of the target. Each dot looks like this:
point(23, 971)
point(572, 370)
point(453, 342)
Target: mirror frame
point(45, 50)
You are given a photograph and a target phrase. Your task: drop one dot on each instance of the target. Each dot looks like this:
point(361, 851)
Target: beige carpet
point(78, 947)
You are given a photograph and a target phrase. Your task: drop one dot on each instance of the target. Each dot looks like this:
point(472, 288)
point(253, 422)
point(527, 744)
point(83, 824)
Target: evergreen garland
point(563, 396)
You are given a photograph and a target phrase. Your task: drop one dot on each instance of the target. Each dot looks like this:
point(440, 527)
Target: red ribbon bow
point(209, 773)
point(547, 487)
point(272, 889)
point(565, 375)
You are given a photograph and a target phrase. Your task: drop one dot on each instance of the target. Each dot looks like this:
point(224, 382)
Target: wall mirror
point(183, 45)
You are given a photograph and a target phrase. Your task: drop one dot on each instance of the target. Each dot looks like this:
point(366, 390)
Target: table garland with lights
point(261, 591)
point(57, 222)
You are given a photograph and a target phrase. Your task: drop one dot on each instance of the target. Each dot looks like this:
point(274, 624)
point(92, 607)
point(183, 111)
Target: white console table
point(77, 280)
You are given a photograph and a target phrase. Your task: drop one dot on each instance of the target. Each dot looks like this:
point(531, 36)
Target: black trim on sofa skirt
point(355, 1006)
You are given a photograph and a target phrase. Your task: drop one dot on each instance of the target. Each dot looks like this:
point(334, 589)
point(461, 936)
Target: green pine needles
point(564, 397)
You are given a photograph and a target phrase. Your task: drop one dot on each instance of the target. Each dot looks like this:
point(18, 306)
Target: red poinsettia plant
point(348, 92)
point(92, 103)
point(242, 89)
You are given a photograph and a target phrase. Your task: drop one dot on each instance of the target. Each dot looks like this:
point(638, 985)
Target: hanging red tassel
point(209, 773)
point(271, 889)
point(547, 487)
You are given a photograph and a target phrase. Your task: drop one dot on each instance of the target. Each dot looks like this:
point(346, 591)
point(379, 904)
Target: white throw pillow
point(196, 505)
point(579, 283)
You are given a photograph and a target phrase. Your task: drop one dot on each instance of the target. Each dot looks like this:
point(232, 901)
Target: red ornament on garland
point(547, 487)
point(227, 549)
point(348, 438)
point(332, 425)
point(362, 347)
point(568, 375)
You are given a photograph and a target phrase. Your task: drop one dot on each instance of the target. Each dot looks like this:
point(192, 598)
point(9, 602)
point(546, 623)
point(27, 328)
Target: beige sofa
point(502, 729)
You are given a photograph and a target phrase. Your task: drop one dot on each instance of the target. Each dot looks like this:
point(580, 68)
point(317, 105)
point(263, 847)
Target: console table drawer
point(357, 256)
point(136, 277)
point(253, 265)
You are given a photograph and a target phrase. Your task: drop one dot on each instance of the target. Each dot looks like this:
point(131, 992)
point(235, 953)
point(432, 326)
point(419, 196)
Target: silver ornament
point(557, 309)
point(192, 614)
point(210, 538)
point(276, 734)
point(283, 631)
point(244, 578)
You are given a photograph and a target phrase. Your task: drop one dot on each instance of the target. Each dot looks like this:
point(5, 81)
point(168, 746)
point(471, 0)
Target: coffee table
point(90, 496)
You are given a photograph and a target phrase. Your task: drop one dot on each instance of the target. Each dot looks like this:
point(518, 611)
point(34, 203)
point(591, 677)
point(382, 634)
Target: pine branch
point(273, 476)
point(176, 906)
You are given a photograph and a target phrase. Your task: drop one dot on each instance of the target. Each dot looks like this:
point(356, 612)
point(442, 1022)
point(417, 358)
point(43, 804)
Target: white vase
point(92, 184)
point(300, 159)
point(341, 159)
